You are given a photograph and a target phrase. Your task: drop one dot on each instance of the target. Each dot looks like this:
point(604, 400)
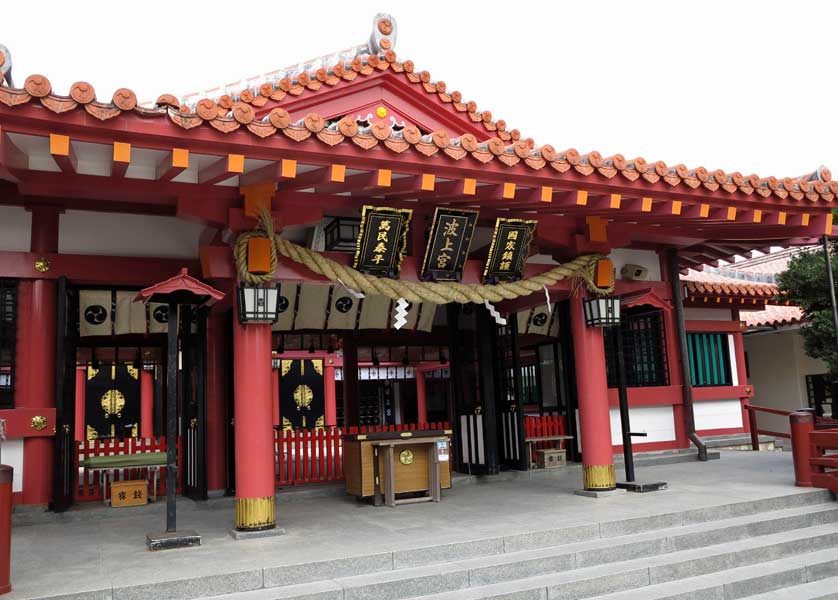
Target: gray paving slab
point(78, 553)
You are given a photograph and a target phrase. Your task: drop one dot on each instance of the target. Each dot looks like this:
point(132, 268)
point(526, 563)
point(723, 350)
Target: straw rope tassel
point(580, 268)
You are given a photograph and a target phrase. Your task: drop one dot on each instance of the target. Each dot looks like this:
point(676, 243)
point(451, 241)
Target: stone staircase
point(784, 547)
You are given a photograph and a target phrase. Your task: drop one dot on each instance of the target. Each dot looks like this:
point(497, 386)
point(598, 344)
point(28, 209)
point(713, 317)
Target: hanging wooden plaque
point(382, 240)
point(448, 244)
point(509, 250)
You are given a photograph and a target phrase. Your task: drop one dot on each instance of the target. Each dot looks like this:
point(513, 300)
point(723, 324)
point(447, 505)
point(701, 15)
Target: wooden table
point(542, 438)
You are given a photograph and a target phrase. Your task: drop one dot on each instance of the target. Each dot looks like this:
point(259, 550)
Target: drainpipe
point(687, 388)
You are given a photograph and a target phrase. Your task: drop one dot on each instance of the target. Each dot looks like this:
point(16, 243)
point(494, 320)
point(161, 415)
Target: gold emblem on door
point(406, 457)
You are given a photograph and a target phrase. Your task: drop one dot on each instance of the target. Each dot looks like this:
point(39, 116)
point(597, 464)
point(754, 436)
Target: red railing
point(824, 459)
point(753, 409)
point(87, 481)
point(316, 456)
point(542, 426)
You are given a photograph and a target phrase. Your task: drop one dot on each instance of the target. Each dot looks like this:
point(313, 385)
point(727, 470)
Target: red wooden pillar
point(421, 398)
point(802, 424)
point(81, 379)
point(40, 367)
point(253, 414)
point(329, 393)
point(146, 404)
point(217, 419)
point(592, 391)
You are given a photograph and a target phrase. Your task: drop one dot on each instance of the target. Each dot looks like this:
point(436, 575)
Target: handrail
point(765, 409)
point(753, 409)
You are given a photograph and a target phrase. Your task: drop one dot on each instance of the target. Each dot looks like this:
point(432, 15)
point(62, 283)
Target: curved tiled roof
point(231, 112)
point(772, 316)
point(699, 282)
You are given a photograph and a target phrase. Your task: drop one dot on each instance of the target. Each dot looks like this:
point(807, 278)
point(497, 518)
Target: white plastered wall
point(118, 234)
point(11, 453)
point(717, 414)
point(778, 367)
point(15, 226)
point(656, 421)
point(645, 258)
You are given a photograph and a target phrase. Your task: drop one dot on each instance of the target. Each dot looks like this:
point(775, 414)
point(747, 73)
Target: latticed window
point(644, 348)
point(8, 333)
point(709, 355)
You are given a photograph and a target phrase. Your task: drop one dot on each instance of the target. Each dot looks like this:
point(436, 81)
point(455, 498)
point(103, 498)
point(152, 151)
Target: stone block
point(550, 537)
point(327, 569)
point(519, 569)
point(447, 552)
point(597, 586)
point(195, 587)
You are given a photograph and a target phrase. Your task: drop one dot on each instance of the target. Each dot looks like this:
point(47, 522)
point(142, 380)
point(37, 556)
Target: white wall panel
point(644, 258)
point(656, 421)
point(15, 225)
point(85, 232)
point(731, 350)
point(717, 414)
point(11, 453)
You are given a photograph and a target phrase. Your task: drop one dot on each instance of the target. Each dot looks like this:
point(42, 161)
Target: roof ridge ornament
point(384, 31)
point(6, 66)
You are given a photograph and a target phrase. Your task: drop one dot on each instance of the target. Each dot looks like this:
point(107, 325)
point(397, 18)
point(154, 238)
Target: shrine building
point(370, 251)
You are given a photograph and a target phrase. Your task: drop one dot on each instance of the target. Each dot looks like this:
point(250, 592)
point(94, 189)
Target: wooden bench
point(542, 438)
point(108, 464)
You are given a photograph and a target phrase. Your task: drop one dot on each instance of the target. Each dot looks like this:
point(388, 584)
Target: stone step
point(713, 574)
point(824, 589)
point(666, 457)
point(589, 543)
point(585, 565)
point(782, 577)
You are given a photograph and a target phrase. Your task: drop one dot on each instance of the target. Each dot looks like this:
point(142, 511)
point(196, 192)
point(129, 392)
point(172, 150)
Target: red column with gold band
point(39, 369)
point(253, 414)
point(592, 391)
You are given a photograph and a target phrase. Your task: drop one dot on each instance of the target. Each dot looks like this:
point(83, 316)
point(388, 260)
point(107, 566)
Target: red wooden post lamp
point(180, 289)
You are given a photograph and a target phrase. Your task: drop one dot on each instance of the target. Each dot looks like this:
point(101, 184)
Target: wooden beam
point(110, 189)
point(11, 158)
point(283, 170)
point(61, 149)
point(121, 159)
point(221, 169)
point(175, 162)
point(377, 182)
point(112, 270)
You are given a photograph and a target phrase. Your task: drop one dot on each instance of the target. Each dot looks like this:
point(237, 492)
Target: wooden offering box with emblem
point(383, 465)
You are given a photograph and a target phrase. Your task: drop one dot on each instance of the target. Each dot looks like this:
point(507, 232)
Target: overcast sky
point(747, 86)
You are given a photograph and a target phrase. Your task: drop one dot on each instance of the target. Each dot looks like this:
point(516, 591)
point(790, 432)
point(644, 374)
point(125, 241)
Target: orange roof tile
point(773, 316)
point(230, 112)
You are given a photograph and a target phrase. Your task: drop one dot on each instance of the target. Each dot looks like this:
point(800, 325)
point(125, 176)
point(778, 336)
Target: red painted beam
point(221, 169)
point(115, 270)
point(59, 185)
point(175, 162)
point(11, 158)
point(63, 153)
point(121, 159)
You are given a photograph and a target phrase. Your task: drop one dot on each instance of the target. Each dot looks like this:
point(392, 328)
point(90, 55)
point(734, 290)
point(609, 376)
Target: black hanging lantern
point(342, 233)
point(258, 304)
point(602, 311)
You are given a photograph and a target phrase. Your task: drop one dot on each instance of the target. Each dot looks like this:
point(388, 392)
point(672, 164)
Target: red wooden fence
point(537, 426)
point(87, 482)
point(316, 456)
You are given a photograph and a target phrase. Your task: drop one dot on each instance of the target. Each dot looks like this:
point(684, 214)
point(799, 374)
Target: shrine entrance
point(111, 386)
